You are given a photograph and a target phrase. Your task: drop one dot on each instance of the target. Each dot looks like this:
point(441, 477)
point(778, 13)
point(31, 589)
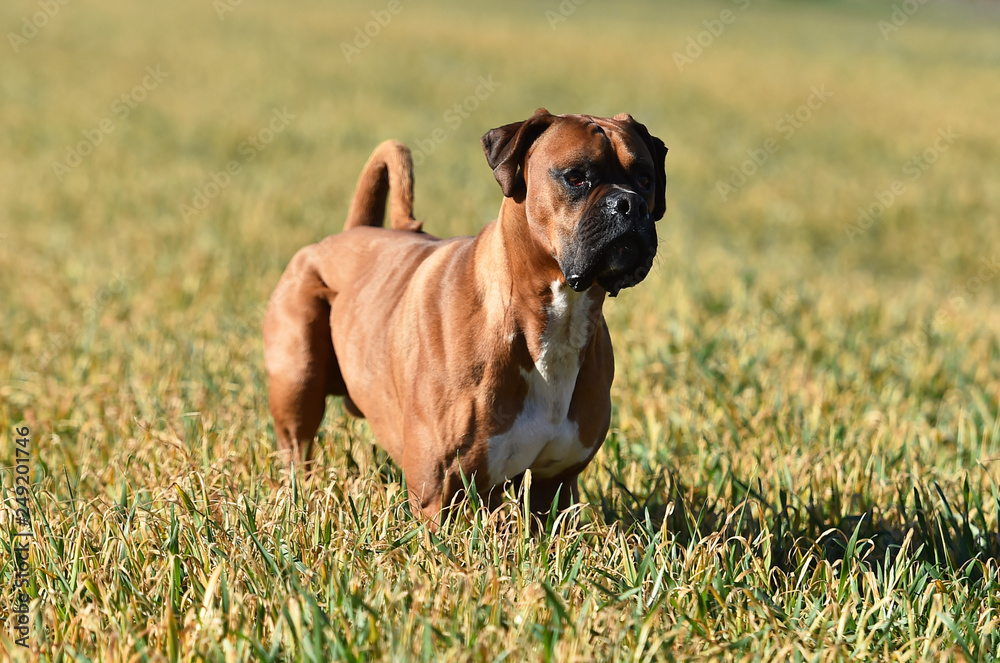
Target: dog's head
point(592, 188)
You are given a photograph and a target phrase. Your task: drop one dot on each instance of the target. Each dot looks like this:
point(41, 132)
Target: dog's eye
point(644, 181)
point(576, 177)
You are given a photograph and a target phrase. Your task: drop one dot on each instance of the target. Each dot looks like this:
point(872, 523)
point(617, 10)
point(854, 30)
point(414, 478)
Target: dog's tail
point(388, 169)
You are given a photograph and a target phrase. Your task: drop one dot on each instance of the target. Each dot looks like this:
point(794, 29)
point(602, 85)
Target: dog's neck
point(542, 307)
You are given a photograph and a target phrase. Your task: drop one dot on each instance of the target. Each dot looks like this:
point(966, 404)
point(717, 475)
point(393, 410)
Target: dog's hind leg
point(301, 362)
point(298, 352)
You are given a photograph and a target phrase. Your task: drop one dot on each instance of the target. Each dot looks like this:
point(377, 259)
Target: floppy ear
point(506, 146)
point(658, 151)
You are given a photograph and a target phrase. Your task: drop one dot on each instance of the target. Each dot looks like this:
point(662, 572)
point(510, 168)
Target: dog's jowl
point(484, 356)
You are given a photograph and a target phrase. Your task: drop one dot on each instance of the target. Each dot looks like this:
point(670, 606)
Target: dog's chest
point(542, 437)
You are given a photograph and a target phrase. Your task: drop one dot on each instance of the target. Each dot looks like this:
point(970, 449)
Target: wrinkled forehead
point(583, 138)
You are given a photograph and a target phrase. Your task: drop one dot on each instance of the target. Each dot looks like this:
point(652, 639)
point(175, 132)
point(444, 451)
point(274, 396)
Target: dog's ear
point(658, 151)
point(506, 146)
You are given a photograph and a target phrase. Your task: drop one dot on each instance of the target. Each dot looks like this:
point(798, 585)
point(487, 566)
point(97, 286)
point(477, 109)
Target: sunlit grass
point(802, 462)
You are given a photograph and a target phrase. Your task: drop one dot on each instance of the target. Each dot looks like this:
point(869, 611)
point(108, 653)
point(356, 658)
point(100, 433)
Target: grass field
point(804, 455)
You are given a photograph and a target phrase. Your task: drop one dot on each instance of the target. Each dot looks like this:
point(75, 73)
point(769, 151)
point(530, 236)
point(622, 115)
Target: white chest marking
point(542, 437)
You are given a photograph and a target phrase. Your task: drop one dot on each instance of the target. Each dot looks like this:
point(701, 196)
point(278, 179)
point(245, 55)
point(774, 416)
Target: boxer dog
point(474, 359)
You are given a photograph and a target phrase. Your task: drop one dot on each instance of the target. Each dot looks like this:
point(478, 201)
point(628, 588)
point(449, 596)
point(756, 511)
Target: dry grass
point(803, 456)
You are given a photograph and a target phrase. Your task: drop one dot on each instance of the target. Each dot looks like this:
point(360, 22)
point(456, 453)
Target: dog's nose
point(627, 203)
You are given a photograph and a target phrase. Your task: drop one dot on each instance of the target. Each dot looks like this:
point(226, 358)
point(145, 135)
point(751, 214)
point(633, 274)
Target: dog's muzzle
point(615, 245)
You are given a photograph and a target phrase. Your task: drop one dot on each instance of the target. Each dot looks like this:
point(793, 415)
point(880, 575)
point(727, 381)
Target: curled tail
point(389, 168)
